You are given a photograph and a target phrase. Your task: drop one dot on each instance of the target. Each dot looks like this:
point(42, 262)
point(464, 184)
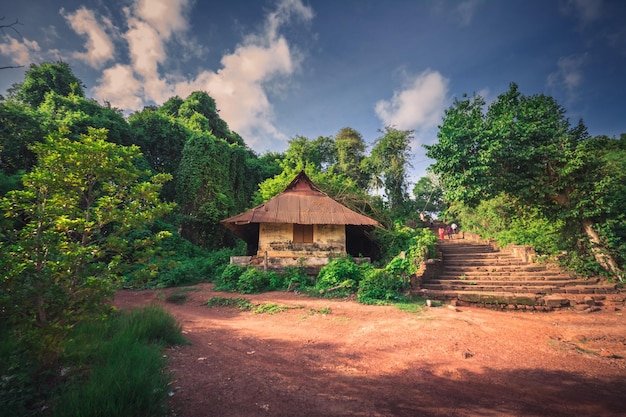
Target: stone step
point(479, 261)
point(504, 275)
point(516, 282)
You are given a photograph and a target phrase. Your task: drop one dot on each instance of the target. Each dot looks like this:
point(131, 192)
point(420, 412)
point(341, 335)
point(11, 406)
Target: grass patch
point(115, 367)
point(271, 308)
point(240, 303)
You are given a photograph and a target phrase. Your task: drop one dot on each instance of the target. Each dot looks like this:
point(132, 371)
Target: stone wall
point(276, 241)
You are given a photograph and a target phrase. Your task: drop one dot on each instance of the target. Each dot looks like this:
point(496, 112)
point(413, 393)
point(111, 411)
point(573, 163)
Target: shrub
point(341, 276)
point(229, 278)
point(379, 284)
point(295, 277)
point(254, 281)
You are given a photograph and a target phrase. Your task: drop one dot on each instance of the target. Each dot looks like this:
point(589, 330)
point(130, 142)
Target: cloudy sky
point(281, 68)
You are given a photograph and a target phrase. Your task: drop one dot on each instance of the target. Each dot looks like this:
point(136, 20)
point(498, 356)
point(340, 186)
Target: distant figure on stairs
point(454, 226)
point(441, 233)
point(449, 231)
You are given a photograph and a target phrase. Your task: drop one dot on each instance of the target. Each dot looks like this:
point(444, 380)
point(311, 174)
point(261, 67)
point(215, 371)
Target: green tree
point(77, 115)
point(20, 127)
point(212, 183)
point(460, 163)
point(429, 195)
point(67, 246)
point(200, 113)
point(161, 139)
point(389, 161)
point(44, 78)
point(525, 147)
point(350, 152)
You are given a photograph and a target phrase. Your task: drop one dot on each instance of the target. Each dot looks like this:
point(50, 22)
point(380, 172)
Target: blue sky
point(278, 69)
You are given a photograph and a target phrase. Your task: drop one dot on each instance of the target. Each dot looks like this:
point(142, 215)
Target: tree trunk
point(605, 260)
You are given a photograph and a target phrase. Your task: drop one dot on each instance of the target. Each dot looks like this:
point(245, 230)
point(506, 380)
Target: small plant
point(463, 277)
point(271, 308)
point(240, 303)
point(324, 310)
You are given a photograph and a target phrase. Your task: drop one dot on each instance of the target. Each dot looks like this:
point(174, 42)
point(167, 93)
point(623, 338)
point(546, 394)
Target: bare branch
point(10, 26)
point(17, 32)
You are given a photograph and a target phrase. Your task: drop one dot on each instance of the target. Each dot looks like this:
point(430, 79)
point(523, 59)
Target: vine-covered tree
point(350, 154)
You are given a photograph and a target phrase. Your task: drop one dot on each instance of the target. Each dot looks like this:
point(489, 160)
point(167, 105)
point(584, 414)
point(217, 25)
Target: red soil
point(359, 360)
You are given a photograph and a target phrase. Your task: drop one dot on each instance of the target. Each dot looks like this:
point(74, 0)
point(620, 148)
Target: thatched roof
point(302, 203)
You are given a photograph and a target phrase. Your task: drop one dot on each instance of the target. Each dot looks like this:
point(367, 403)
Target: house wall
point(277, 240)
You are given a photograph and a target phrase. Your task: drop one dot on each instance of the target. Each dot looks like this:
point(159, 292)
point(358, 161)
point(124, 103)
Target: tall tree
point(161, 139)
point(44, 78)
point(459, 155)
point(523, 146)
point(429, 195)
point(389, 159)
point(350, 153)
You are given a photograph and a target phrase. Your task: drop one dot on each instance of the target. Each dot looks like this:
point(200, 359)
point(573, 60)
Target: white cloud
point(419, 105)
point(239, 87)
point(120, 88)
point(569, 74)
point(166, 16)
point(98, 46)
point(21, 52)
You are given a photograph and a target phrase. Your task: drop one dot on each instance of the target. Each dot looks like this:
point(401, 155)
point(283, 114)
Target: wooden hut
point(301, 225)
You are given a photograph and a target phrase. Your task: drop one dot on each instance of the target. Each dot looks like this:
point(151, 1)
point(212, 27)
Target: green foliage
point(379, 284)
point(524, 147)
point(272, 308)
point(45, 78)
point(20, 127)
point(389, 161)
point(341, 276)
point(429, 195)
point(294, 278)
point(67, 246)
point(253, 280)
point(205, 267)
point(126, 369)
point(108, 367)
point(349, 148)
point(419, 244)
point(240, 303)
point(161, 139)
point(229, 278)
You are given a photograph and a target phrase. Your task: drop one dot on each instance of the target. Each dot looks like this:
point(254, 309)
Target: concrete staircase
point(476, 273)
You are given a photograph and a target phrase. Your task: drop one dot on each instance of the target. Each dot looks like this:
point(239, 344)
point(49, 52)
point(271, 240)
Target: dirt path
point(341, 358)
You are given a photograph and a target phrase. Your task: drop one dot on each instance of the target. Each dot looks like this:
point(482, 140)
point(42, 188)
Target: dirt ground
point(339, 358)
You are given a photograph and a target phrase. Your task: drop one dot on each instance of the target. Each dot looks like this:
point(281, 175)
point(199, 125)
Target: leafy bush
point(254, 280)
point(295, 277)
point(379, 284)
point(229, 278)
point(340, 276)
